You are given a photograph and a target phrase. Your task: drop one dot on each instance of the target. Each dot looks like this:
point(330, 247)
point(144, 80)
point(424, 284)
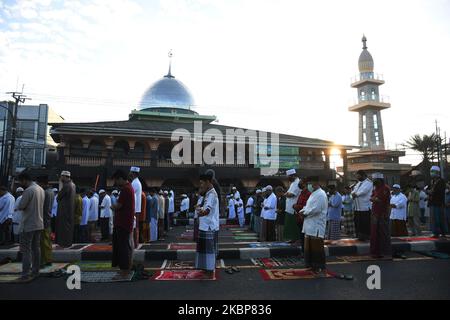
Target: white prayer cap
point(234, 188)
point(258, 191)
point(291, 172)
point(396, 186)
point(19, 189)
point(264, 189)
point(160, 192)
point(269, 188)
point(184, 195)
point(65, 174)
point(55, 190)
point(377, 175)
point(165, 192)
point(101, 191)
point(435, 168)
point(115, 192)
point(135, 169)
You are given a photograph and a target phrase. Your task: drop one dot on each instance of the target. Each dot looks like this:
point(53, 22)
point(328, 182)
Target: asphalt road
point(409, 279)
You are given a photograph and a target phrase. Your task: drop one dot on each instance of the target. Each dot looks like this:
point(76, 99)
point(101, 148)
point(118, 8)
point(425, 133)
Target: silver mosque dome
point(167, 92)
point(365, 62)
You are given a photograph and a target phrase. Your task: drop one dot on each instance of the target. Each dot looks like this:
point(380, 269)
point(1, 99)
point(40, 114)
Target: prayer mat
point(16, 267)
point(343, 242)
point(98, 247)
point(434, 254)
point(185, 265)
point(9, 278)
point(95, 266)
point(246, 238)
point(269, 244)
point(182, 246)
point(362, 258)
point(292, 274)
point(183, 275)
point(103, 277)
point(411, 239)
point(278, 262)
point(9, 246)
point(245, 234)
point(230, 226)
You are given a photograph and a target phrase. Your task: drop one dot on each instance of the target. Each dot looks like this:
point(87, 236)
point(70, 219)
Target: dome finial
point(169, 74)
point(364, 41)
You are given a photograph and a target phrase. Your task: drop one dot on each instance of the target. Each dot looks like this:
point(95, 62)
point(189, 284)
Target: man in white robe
point(137, 187)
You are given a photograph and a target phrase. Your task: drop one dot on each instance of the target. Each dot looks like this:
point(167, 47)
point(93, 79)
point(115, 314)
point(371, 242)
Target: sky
point(282, 66)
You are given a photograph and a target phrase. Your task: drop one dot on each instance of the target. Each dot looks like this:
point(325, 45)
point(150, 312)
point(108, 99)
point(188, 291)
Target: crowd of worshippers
point(307, 214)
point(41, 214)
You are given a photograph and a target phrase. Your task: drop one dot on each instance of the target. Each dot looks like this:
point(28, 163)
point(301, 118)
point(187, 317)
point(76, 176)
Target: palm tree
point(426, 145)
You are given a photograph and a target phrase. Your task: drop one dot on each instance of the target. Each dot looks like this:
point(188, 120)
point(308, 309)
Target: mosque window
point(375, 122)
point(364, 121)
point(373, 94)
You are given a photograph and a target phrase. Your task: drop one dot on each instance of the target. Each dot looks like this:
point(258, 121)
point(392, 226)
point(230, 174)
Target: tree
point(426, 145)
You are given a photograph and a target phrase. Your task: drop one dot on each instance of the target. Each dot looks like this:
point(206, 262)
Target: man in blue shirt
point(334, 214)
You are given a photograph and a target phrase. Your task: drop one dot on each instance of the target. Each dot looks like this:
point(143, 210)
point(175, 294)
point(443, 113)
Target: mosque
point(92, 151)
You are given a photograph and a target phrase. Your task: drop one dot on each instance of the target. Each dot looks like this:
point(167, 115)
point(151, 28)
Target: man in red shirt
point(380, 238)
point(123, 225)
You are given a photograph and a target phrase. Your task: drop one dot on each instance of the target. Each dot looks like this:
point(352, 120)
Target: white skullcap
point(291, 172)
point(65, 174)
point(165, 192)
point(377, 175)
point(19, 189)
point(115, 192)
point(160, 192)
point(396, 186)
point(258, 191)
point(435, 168)
point(55, 190)
point(135, 169)
point(184, 195)
point(264, 189)
point(101, 191)
point(234, 188)
point(269, 188)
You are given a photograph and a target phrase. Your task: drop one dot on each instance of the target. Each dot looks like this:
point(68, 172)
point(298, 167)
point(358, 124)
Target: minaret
point(369, 103)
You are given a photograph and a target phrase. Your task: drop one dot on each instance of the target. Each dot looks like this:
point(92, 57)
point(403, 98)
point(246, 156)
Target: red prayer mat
point(98, 247)
point(182, 246)
point(411, 239)
point(184, 265)
point(292, 274)
point(183, 275)
point(343, 242)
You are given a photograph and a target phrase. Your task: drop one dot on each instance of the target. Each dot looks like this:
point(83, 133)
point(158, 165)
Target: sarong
point(291, 228)
point(153, 229)
point(46, 247)
point(196, 225)
point(380, 238)
point(349, 224)
point(262, 230)
point(314, 252)
point(333, 230)
point(362, 225)
point(205, 257)
point(398, 228)
point(160, 228)
point(280, 232)
point(241, 218)
point(122, 249)
point(270, 230)
point(257, 224)
point(438, 225)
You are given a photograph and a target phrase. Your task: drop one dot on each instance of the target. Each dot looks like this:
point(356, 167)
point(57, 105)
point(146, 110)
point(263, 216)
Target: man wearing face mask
point(436, 202)
point(361, 198)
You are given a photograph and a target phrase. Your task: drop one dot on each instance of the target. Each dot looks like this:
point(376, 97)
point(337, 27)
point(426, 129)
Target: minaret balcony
point(376, 103)
point(361, 80)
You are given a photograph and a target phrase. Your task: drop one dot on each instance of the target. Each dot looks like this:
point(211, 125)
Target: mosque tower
point(370, 103)
point(373, 155)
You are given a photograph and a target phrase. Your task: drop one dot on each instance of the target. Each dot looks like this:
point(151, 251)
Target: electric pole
point(18, 98)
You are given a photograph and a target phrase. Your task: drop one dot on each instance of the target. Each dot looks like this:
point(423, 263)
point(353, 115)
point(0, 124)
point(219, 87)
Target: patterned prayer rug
point(182, 246)
point(186, 265)
point(246, 238)
point(292, 274)
point(16, 267)
point(278, 262)
point(98, 247)
point(183, 275)
point(102, 277)
point(95, 266)
point(343, 242)
point(9, 278)
point(434, 254)
point(411, 239)
point(362, 258)
point(269, 244)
